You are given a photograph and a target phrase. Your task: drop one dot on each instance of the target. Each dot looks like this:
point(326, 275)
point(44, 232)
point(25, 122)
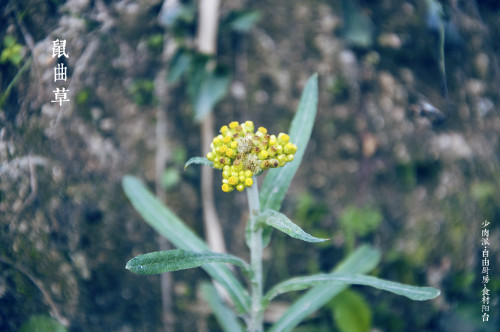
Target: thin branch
point(162, 148)
point(207, 43)
point(213, 228)
point(46, 296)
point(208, 26)
point(30, 42)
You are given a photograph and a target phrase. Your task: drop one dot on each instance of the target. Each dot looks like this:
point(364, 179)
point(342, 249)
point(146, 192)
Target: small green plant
point(12, 51)
point(243, 154)
point(42, 323)
point(356, 221)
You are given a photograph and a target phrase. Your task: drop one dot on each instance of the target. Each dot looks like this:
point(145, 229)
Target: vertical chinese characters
point(485, 271)
point(60, 72)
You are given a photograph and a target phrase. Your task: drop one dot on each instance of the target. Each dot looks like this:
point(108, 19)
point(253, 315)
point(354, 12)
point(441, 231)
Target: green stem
point(255, 323)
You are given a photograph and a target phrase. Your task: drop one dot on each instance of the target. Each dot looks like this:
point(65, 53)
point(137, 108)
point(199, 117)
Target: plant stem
point(255, 323)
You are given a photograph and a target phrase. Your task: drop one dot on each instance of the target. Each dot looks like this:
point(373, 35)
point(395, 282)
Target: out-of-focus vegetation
point(376, 144)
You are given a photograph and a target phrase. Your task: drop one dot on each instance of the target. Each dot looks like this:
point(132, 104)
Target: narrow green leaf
point(225, 316)
point(178, 259)
point(278, 180)
point(166, 223)
point(199, 161)
point(351, 312)
point(358, 28)
point(244, 21)
point(6, 92)
point(363, 260)
point(300, 283)
point(180, 64)
point(207, 89)
point(281, 222)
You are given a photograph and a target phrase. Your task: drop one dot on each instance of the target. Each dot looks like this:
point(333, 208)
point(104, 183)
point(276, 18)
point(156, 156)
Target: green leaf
point(244, 21)
point(174, 13)
point(361, 221)
point(363, 260)
point(170, 178)
point(11, 51)
point(278, 180)
point(206, 88)
point(178, 259)
point(198, 161)
point(225, 316)
point(300, 283)
point(15, 80)
point(166, 223)
point(42, 323)
point(281, 222)
point(179, 65)
point(358, 28)
point(351, 312)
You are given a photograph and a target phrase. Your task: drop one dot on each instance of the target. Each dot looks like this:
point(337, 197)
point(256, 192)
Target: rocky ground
point(385, 139)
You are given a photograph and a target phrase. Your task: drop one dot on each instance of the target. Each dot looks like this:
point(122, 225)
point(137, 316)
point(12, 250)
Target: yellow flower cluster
point(240, 153)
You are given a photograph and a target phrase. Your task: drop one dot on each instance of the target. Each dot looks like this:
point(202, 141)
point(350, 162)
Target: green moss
point(83, 97)
point(143, 92)
point(339, 88)
point(155, 42)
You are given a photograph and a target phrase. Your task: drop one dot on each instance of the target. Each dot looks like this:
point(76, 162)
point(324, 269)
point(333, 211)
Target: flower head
point(242, 153)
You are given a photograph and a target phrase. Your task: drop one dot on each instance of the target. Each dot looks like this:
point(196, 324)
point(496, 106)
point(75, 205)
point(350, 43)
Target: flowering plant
point(242, 155)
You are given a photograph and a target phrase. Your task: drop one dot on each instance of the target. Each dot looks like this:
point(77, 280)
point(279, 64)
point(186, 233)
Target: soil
point(387, 139)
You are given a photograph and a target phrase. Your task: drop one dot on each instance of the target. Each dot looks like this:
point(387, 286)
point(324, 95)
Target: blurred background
point(404, 154)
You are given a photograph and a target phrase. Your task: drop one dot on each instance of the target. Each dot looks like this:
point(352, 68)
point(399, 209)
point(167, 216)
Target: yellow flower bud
point(221, 149)
point(288, 148)
point(217, 140)
point(272, 151)
point(237, 165)
point(283, 138)
point(241, 153)
point(232, 180)
point(274, 163)
point(273, 140)
point(279, 149)
point(249, 127)
point(282, 159)
point(227, 188)
point(263, 155)
point(248, 182)
point(230, 153)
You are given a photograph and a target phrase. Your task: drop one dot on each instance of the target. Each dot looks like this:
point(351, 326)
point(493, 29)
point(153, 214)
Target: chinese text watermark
point(485, 271)
point(60, 72)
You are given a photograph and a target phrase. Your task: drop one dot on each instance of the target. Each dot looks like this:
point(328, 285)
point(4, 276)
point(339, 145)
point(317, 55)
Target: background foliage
point(67, 229)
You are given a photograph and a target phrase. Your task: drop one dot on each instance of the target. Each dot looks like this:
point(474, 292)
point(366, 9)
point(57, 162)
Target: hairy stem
point(255, 323)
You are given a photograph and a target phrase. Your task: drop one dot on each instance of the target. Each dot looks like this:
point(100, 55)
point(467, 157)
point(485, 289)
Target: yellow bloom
point(242, 153)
